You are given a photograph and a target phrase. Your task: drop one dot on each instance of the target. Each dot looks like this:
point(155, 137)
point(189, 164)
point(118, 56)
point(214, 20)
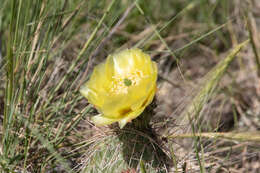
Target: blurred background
point(206, 114)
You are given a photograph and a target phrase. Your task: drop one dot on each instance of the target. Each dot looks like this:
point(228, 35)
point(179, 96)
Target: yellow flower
point(121, 87)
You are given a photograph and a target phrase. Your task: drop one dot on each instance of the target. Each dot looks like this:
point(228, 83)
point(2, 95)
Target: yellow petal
point(95, 88)
point(102, 120)
point(89, 93)
point(137, 112)
point(109, 67)
point(122, 122)
point(114, 104)
point(123, 62)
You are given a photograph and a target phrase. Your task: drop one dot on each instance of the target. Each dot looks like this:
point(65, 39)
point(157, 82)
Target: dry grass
point(206, 116)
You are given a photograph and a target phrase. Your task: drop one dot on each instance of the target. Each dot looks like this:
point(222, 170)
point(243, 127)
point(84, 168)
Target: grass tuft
point(207, 113)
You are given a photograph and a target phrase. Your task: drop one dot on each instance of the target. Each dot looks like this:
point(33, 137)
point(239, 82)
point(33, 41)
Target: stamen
point(120, 84)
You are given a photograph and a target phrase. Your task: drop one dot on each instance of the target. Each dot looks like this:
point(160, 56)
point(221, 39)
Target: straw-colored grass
point(205, 117)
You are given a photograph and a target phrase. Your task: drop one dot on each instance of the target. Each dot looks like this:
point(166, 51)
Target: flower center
point(121, 83)
point(127, 82)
